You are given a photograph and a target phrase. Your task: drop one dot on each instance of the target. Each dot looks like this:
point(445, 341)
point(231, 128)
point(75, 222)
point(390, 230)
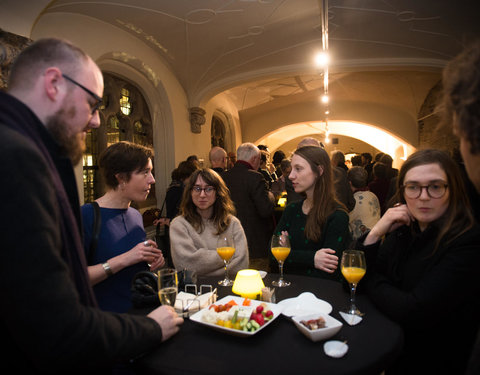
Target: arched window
point(90, 166)
point(140, 135)
point(125, 117)
point(112, 130)
point(125, 105)
point(218, 132)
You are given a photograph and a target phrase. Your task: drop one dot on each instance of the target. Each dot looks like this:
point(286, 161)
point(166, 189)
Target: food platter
point(304, 304)
point(200, 316)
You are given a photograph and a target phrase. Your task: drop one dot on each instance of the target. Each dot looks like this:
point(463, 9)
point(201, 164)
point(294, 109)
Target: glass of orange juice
point(280, 246)
point(353, 266)
point(225, 249)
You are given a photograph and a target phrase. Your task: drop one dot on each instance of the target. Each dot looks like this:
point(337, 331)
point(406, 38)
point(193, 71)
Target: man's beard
point(70, 144)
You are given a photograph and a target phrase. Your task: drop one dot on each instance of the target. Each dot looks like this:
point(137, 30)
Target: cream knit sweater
point(197, 251)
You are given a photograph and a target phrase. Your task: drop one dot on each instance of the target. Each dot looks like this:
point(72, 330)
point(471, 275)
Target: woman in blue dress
point(122, 248)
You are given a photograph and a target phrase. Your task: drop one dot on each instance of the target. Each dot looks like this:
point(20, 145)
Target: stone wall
point(429, 131)
point(10, 47)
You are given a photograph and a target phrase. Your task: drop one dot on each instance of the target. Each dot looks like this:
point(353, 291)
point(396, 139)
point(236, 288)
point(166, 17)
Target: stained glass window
point(125, 105)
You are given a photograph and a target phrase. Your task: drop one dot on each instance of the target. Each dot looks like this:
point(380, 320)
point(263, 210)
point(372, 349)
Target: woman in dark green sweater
point(318, 225)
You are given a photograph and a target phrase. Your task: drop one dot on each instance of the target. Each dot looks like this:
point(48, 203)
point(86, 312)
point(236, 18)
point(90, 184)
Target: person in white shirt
point(367, 207)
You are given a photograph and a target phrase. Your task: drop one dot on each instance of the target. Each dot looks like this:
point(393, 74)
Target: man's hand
point(167, 319)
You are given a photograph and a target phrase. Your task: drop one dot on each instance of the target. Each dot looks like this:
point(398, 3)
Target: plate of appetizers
point(238, 316)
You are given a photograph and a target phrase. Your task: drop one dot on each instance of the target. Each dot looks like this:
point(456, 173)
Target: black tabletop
point(281, 348)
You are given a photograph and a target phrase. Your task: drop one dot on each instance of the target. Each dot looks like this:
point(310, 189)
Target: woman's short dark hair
point(458, 217)
point(122, 159)
point(358, 176)
point(223, 207)
point(185, 169)
point(379, 170)
point(278, 156)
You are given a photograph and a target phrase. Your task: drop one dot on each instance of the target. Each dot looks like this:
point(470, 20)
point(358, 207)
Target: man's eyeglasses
point(99, 100)
point(435, 190)
point(198, 190)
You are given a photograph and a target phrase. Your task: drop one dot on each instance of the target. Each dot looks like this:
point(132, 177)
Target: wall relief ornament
point(197, 119)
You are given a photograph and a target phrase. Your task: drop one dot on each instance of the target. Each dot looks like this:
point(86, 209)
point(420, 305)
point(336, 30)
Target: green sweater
point(335, 235)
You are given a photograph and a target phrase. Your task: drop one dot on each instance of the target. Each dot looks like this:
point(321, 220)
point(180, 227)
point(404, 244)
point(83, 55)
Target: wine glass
point(167, 286)
point(280, 246)
point(353, 269)
point(225, 249)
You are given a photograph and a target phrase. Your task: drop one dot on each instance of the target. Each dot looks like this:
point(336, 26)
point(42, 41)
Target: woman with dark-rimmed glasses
point(206, 212)
point(422, 266)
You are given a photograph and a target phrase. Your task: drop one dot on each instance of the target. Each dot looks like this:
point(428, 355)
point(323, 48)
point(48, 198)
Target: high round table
point(281, 348)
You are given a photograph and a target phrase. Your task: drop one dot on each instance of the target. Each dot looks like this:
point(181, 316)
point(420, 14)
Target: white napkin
point(335, 349)
point(185, 299)
point(350, 318)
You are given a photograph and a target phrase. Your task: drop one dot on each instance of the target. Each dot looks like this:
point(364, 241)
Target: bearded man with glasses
point(50, 315)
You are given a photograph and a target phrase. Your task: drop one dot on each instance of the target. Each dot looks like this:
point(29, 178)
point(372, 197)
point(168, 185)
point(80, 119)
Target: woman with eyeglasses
point(422, 266)
point(206, 212)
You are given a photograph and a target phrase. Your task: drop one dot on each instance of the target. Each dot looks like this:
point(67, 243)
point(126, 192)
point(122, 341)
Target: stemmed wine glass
point(225, 249)
point(167, 286)
point(280, 246)
point(353, 269)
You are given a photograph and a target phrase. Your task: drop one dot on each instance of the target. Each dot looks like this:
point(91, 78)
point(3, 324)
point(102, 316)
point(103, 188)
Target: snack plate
point(304, 304)
point(276, 309)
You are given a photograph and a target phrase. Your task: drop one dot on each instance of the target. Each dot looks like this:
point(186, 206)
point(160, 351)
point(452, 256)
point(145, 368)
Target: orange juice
point(353, 274)
point(225, 252)
point(280, 253)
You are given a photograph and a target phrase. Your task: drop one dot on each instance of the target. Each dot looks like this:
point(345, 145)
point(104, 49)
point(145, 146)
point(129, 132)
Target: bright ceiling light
point(322, 59)
point(325, 99)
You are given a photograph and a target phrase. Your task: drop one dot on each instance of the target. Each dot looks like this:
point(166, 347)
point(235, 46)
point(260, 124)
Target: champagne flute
point(225, 249)
point(280, 246)
point(353, 269)
point(167, 286)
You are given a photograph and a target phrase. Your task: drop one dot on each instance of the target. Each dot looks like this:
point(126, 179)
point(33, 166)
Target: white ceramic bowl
point(332, 326)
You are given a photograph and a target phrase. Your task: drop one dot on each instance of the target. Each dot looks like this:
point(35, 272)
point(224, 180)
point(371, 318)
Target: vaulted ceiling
point(386, 55)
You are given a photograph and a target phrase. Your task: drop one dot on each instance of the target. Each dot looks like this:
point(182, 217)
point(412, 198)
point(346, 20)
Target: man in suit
point(254, 203)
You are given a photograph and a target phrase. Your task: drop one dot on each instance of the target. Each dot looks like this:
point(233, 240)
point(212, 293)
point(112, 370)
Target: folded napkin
point(350, 318)
point(193, 302)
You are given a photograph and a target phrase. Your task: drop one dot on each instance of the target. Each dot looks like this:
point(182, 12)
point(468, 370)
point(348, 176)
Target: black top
point(433, 297)
point(254, 208)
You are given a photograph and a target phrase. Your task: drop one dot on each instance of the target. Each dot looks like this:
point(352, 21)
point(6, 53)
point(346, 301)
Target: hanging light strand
point(323, 4)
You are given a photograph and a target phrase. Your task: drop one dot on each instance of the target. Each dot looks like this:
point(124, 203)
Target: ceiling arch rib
point(370, 134)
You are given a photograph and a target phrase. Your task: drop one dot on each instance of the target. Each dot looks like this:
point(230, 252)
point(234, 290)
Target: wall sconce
point(248, 283)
